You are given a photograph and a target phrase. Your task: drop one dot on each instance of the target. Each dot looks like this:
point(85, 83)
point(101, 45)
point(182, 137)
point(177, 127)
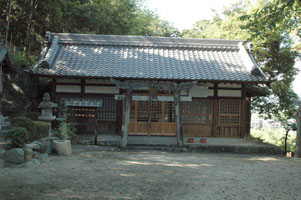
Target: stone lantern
point(47, 110)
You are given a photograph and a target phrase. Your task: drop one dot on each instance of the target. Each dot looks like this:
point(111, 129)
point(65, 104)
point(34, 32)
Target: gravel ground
point(95, 173)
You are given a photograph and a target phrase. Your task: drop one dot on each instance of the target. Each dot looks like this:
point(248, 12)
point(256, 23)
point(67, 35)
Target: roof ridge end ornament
point(50, 55)
point(250, 63)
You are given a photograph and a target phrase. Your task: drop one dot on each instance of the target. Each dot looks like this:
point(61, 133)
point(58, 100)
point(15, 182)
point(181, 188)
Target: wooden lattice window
point(132, 114)
point(169, 115)
point(81, 112)
point(229, 111)
point(151, 111)
point(108, 110)
point(142, 113)
point(155, 111)
point(197, 111)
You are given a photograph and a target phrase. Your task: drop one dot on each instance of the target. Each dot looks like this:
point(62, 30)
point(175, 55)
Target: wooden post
point(177, 117)
point(95, 126)
point(243, 107)
point(127, 112)
point(215, 111)
point(298, 138)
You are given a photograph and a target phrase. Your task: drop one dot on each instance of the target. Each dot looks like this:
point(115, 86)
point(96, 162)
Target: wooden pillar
point(298, 138)
point(177, 117)
point(95, 126)
point(243, 118)
point(215, 112)
point(126, 117)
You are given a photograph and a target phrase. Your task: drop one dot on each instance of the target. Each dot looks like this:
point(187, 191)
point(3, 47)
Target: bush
point(33, 115)
point(275, 137)
point(41, 130)
point(17, 137)
point(35, 129)
point(65, 131)
point(23, 122)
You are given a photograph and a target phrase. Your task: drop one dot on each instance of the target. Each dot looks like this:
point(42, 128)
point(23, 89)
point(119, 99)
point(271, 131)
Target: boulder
point(27, 154)
point(36, 155)
point(14, 156)
point(48, 138)
point(2, 151)
point(62, 147)
point(31, 146)
point(33, 162)
point(43, 156)
point(1, 164)
point(42, 146)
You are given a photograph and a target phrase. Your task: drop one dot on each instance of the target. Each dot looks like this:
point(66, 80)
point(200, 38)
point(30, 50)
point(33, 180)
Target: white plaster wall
point(229, 93)
point(68, 88)
point(198, 91)
point(67, 80)
point(210, 93)
point(229, 85)
point(101, 89)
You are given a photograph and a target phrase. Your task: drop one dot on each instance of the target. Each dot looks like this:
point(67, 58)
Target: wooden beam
point(146, 98)
point(177, 117)
point(172, 86)
point(125, 130)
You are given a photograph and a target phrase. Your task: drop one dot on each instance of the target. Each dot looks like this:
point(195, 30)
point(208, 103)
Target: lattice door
point(152, 118)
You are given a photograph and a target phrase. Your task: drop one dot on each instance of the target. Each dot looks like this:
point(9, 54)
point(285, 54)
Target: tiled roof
point(137, 57)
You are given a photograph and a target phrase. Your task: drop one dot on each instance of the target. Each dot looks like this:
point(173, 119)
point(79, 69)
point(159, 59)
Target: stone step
point(243, 149)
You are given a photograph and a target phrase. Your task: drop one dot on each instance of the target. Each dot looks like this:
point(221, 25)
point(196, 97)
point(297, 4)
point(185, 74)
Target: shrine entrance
point(152, 118)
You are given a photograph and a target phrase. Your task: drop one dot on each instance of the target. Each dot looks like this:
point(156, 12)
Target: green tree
point(268, 24)
point(30, 19)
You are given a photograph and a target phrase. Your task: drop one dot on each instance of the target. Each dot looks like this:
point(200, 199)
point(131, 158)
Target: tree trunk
point(8, 21)
point(177, 117)
point(33, 6)
point(298, 138)
point(285, 142)
point(127, 112)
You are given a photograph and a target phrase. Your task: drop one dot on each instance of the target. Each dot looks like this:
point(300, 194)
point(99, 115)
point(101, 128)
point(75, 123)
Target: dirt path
point(95, 174)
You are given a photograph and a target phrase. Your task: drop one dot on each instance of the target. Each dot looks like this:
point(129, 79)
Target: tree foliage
point(269, 25)
point(30, 19)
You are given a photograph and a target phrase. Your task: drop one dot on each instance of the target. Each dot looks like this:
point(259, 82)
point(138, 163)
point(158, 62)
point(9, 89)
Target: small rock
point(28, 154)
point(14, 156)
point(2, 151)
point(43, 147)
point(33, 162)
